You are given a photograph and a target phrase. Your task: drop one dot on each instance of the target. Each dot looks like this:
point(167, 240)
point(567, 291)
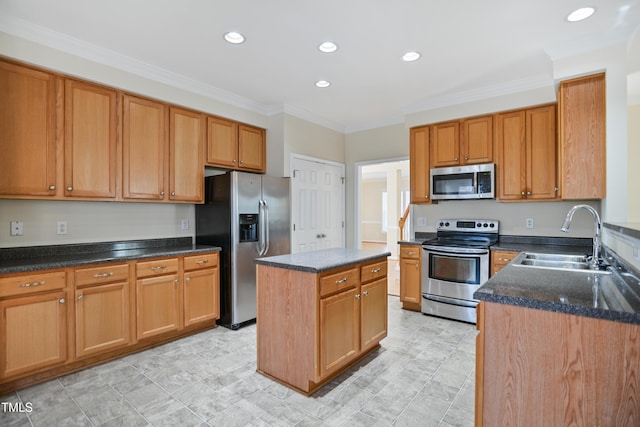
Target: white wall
point(633, 159)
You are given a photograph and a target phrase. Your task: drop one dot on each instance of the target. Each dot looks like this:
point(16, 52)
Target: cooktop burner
point(467, 233)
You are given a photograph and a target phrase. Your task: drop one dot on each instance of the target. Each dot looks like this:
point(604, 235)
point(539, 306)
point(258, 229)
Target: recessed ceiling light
point(323, 83)
point(411, 56)
point(234, 37)
point(328, 47)
point(580, 14)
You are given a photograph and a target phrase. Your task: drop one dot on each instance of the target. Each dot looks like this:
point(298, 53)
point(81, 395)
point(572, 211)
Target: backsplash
point(624, 240)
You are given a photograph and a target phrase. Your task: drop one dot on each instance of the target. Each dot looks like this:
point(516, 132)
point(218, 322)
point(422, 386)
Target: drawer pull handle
point(204, 261)
point(341, 280)
point(376, 270)
point(101, 275)
point(159, 267)
point(411, 253)
point(32, 284)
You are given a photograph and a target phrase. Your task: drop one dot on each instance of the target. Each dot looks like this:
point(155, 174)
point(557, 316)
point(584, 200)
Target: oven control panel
point(468, 225)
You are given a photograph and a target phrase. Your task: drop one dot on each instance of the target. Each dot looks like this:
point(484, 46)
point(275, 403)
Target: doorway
point(382, 198)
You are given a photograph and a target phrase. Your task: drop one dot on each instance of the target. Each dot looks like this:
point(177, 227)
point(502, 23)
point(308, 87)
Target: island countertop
point(322, 260)
point(582, 293)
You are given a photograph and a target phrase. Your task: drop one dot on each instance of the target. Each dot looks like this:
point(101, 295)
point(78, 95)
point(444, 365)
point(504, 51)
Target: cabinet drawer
point(412, 251)
point(102, 274)
point(335, 282)
point(196, 262)
point(156, 267)
point(502, 257)
point(30, 283)
point(373, 271)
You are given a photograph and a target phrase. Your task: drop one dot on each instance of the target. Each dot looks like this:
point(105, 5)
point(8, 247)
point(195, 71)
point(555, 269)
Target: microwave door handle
point(475, 185)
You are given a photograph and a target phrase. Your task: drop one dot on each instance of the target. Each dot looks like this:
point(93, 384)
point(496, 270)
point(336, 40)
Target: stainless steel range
point(455, 264)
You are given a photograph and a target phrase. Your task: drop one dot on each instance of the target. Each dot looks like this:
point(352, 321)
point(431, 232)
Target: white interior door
point(317, 199)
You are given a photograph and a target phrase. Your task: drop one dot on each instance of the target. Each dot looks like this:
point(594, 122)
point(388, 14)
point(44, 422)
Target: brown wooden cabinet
point(555, 368)
point(419, 164)
point(582, 137)
point(464, 142)
point(201, 289)
point(159, 302)
point(500, 258)
point(34, 323)
point(27, 128)
point(90, 123)
point(411, 277)
point(103, 320)
point(186, 155)
point(234, 145)
point(313, 326)
point(526, 154)
point(144, 149)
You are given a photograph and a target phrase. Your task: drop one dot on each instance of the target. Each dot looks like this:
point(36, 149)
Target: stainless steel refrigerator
point(248, 216)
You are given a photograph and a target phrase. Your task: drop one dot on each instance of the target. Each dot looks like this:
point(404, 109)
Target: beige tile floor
point(423, 375)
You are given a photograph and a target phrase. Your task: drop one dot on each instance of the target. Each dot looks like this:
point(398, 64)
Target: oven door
point(454, 272)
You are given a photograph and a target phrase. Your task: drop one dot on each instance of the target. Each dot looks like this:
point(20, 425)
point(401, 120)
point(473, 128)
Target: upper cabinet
point(526, 154)
point(419, 164)
point(186, 155)
point(234, 145)
point(463, 142)
point(582, 137)
point(144, 149)
point(90, 135)
point(28, 129)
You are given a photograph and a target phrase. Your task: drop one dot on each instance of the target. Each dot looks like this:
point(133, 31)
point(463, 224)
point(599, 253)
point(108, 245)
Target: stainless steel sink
point(556, 262)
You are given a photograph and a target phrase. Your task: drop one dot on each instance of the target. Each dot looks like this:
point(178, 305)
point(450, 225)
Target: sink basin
point(556, 262)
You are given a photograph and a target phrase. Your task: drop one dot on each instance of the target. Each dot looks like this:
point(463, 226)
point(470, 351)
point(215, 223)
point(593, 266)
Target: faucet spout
point(595, 257)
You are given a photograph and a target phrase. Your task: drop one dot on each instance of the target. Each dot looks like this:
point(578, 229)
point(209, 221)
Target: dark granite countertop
point(627, 228)
point(582, 293)
point(540, 244)
point(322, 260)
point(35, 258)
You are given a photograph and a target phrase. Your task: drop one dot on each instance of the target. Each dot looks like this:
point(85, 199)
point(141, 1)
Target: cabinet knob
point(162, 193)
point(52, 187)
point(62, 301)
point(466, 158)
point(233, 161)
point(357, 296)
point(241, 161)
point(173, 193)
point(556, 189)
point(528, 193)
point(177, 281)
point(417, 266)
point(522, 193)
point(69, 188)
point(188, 279)
point(80, 298)
point(456, 159)
point(365, 293)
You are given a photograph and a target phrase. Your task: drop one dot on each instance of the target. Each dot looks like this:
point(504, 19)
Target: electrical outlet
point(185, 224)
point(422, 221)
point(61, 227)
point(528, 222)
point(17, 228)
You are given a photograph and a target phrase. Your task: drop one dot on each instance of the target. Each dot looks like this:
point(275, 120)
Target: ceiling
point(470, 48)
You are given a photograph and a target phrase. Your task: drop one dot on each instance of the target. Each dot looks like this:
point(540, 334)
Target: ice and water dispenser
point(248, 227)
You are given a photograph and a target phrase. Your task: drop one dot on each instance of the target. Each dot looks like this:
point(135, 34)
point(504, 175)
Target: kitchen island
point(318, 313)
point(558, 348)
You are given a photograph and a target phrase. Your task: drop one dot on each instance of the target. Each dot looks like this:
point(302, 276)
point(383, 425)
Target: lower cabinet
point(201, 290)
point(313, 326)
point(501, 258)
point(158, 291)
point(411, 277)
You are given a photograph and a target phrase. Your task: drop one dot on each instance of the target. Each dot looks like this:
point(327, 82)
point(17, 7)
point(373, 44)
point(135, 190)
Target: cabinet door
point(476, 140)
point(373, 313)
point(34, 331)
point(410, 287)
point(445, 144)
point(582, 137)
point(144, 149)
point(541, 153)
point(222, 142)
point(186, 156)
point(27, 129)
point(201, 296)
point(251, 148)
point(102, 318)
point(90, 141)
point(158, 305)
point(511, 155)
point(499, 259)
point(339, 330)
point(419, 164)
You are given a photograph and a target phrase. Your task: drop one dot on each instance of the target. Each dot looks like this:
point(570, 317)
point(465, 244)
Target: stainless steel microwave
point(463, 182)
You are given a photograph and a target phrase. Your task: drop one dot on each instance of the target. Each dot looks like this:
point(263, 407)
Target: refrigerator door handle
point(265, 227)
point(260, 246)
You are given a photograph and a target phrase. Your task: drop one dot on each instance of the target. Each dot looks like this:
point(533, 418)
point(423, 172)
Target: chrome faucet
point(595, 257)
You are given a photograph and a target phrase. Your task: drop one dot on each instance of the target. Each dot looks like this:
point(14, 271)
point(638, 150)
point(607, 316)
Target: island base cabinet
point(373, 313)
point(542, 368)
point(339, 330)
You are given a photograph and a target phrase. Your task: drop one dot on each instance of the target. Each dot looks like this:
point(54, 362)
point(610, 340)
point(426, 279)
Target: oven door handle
point(451, 301)
point(458, 251)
